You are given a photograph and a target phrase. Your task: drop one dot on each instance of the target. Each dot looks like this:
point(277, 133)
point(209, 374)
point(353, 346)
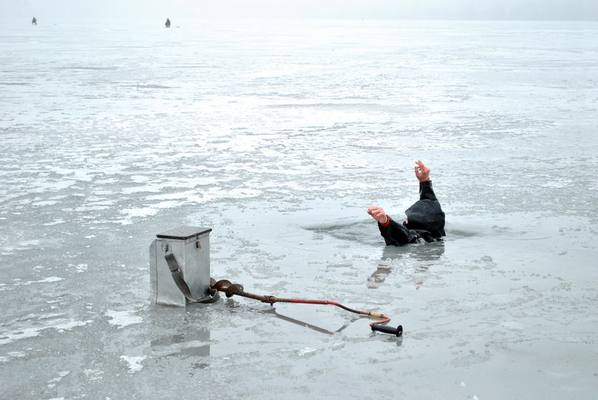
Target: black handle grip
point(398, 331)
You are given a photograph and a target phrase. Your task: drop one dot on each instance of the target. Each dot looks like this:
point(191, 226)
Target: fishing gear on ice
point(180, 274)
point(232, 289)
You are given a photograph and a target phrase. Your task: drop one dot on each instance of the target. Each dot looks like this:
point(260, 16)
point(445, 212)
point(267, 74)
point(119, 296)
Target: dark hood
point(427, 215)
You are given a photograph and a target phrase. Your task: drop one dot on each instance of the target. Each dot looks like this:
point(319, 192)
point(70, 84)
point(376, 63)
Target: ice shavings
point(59, 325)
point(54, 381)
point(19, 283)
point(134, 362)
point(120, 319)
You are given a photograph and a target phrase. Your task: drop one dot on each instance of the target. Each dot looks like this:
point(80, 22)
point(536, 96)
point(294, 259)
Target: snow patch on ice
point(134, 362)
point(120, 319)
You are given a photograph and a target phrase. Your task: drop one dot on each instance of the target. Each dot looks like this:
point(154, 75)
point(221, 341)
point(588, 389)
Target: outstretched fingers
point(421, 171)
point(378, 214)
point(422, 166)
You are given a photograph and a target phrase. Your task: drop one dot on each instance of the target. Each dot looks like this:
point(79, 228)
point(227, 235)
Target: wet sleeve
point(426, 192)
point(395, 234)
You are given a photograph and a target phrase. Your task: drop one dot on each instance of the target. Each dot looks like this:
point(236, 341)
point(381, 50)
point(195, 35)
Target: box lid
point(183, 232)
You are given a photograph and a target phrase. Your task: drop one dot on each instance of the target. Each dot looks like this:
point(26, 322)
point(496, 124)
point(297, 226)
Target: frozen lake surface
point(279, 135)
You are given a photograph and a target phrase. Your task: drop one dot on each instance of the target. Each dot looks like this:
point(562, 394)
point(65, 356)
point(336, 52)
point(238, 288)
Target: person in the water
point(425, 218)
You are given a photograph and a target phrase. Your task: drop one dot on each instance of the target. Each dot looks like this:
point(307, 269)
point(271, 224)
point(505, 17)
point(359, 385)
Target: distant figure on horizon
point(34, 21)
point(167, 23)
point(425, 218)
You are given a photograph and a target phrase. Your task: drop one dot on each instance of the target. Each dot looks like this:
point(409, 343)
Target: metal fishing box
point(189, 247)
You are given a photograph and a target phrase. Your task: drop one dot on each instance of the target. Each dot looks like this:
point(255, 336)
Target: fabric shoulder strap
point(179, 280)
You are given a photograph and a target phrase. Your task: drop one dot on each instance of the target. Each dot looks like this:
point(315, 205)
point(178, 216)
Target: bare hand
point(422, 172)
point(378, 214)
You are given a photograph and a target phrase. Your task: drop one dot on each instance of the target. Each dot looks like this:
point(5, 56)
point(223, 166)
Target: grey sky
point(369, 9)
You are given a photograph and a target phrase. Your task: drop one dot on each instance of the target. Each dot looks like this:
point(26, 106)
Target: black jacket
point(425, 220)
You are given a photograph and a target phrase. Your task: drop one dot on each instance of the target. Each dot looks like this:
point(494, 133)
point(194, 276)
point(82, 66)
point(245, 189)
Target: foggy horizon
point(305, 9)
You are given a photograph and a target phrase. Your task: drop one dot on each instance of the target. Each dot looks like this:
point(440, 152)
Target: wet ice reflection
point(279, 137)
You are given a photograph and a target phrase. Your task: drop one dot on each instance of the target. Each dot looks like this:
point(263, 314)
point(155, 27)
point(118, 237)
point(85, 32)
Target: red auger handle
point(398, 331)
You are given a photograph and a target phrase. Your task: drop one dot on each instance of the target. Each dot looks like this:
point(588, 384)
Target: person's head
point(426, 215)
